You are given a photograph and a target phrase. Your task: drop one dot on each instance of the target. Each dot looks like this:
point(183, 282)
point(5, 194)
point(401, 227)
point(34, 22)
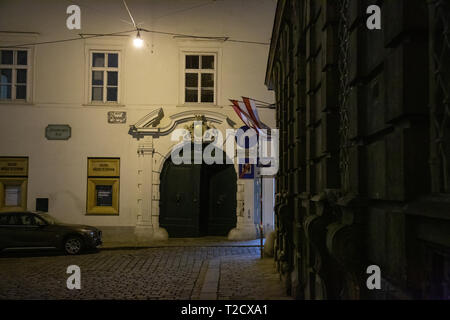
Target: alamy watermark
point(74, 280)
point(74, 20)
point(374, 280)
point(374, 20)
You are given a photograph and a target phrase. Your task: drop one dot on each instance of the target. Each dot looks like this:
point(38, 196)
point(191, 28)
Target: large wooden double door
point(197, 200)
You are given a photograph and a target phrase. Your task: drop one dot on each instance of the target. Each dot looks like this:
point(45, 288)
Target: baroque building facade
point(365, 142)
point(86, 118)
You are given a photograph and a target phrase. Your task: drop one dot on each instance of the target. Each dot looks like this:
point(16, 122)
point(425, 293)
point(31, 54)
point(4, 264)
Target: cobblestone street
point(169, 272)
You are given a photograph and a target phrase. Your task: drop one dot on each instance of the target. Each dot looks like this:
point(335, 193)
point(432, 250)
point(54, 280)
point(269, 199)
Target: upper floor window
point(104, 77)
point(200, 78)
point(14, 74)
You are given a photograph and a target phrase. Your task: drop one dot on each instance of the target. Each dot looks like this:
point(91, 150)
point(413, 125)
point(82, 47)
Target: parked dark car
point(28, 230)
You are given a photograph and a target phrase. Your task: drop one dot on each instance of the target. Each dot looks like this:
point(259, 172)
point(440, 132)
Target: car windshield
point(48, 218)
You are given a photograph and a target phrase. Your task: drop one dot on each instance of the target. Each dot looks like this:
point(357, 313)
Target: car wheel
point(73, 245)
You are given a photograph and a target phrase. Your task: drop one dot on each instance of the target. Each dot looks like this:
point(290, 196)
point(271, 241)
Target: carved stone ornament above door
point(155, 123)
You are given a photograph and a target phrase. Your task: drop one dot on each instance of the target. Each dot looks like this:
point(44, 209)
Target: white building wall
point(268, 204)
point(150, 77)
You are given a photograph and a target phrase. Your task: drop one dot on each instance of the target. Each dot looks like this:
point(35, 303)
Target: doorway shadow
point(197, 200)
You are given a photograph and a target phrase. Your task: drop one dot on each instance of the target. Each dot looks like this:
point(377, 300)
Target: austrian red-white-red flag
point(250, 105)
point(248, 113)
point(239, 108)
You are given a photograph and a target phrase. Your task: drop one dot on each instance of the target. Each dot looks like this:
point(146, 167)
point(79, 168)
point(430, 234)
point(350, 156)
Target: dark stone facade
point(364, 121)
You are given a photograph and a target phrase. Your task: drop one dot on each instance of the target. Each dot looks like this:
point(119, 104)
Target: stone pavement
point(200, 270)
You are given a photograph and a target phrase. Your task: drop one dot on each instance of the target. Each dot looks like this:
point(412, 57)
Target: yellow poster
point(13, 167)
point(104, 167)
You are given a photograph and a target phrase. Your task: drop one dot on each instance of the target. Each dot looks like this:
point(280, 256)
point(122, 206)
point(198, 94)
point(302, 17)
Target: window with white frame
point(14, 74)
point(200, 78)
point(104, 77)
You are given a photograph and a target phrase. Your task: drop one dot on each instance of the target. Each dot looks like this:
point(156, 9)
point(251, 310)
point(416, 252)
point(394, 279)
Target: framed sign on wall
point(58, 132)
point(246, 171)
point(13, 183)
point(103, 186)
point(117, 117)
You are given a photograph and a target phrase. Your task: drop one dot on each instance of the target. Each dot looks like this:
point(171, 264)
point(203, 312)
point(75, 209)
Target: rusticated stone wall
point(364, 142)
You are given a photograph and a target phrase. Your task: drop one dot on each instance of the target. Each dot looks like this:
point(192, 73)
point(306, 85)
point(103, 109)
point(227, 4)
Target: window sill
point(112, 105)
point(197, 105)
point(99, 214)
point(17, 102)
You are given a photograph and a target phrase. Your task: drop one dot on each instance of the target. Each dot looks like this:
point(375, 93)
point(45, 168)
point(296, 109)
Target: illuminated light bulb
point(138, 42)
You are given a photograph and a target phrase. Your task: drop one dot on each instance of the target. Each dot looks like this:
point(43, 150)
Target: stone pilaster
point(158, 232)
point(147, 225)
point(245, 226)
